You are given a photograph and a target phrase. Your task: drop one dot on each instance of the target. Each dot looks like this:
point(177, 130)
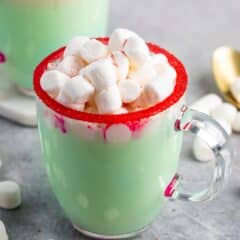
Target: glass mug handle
point(218, 142)
point(3, 58)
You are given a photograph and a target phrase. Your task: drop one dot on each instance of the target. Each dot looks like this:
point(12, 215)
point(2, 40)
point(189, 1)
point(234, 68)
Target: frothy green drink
point(109, 188)
point(30, 29)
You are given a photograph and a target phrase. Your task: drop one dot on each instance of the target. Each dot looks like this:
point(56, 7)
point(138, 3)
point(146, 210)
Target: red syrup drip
point(3, 58)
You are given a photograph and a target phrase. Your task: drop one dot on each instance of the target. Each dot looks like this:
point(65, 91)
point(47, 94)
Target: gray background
point(191, 30)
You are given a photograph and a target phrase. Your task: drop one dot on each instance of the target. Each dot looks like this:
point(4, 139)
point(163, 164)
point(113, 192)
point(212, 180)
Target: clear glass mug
point(30, 29)
point(112, 173)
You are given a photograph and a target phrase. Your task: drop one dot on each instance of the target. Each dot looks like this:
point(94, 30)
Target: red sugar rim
point(179, 90)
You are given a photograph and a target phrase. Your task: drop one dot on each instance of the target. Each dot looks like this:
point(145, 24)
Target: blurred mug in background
point(29, 29)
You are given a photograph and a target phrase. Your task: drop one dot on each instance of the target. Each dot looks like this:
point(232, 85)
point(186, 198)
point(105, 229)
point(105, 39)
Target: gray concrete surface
point(190, 29)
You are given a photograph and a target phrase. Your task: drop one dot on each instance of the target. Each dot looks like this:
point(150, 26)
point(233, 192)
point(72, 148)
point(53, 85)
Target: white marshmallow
point(235, 89)
point(52, 81)
point(122, 64)
point(207, 103)
point(70, 65)
point(236, 123)
point(143, 74)
point(130, 90)
point(118, 37)
point(101, 74)
point(74, 45)
point(201, 150)
point(10, 195)
point(77, 106)
point(93, 50)
point(139, 103)
point(137, 51)
point(63, 98)
point(118, 133)
point(78, 89)
point(158, 89)
point(109, 100)
point(225, 111)
point(225, 125)
point(121, 110)
point(3, 232)
point(160, 62)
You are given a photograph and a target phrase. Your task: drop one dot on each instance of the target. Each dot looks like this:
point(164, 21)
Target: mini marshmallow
point(235, 89)
point(78, 90)
point(118, 133)
point(118, 38)
point(74, 45)
point(70, 65)
point(52, 81)
point(225, 111)
point(160, 62)
point(130, 90)
point(137, 51)
point(143, 74)
point(158, 89)
point(93, 50)
point(121, 110)
point(10, 195)
point(207, 103)
point(122, 64)
point(77, 106)
point(109, 100)
point(3, 232)
point(236, 123)
point(201, 150)
point(63, 98)
point(101, 74)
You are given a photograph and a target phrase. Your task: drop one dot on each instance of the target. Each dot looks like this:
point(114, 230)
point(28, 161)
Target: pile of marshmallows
point(120, 77)
point(224, 113)
point(10, 198)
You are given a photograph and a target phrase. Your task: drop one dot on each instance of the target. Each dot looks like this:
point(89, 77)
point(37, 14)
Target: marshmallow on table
point(102, 74)
point(10, 195)
point(225, 111)
point(74, 45)
point(158, 89)
point(3, 232)
point(201, 150)
point(207, 103)
point(130, 90)
point(122, 64)
point(76, 90)
point(235, 89)
point(108, 100)
point(52, 81)
point(236, 123)
point(93, 50)
point(137, 51)
point(118, 38)
point(70, 65)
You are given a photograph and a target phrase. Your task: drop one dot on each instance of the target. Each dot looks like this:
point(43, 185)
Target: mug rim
point(174, 97)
